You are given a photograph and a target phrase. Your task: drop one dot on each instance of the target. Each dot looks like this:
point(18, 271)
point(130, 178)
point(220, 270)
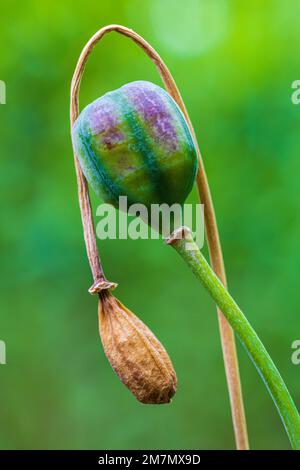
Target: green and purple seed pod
point(135, 142)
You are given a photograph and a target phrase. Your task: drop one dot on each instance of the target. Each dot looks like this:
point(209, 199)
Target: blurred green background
point(234, 63)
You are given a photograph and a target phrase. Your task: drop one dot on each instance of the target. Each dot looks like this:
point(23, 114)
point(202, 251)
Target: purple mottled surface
point(134, 141)
point(104, 120)
point(154, 112)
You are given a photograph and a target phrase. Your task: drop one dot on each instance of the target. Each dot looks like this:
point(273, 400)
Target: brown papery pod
point(135, 354)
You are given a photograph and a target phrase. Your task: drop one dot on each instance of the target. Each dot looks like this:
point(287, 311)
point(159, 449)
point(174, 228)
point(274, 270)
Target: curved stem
point(184, 244)
point(226, 332)
point(227, 336)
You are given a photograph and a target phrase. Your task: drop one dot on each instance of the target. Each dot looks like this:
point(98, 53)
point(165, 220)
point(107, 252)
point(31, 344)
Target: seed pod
point(135, 354)
point(135, 142)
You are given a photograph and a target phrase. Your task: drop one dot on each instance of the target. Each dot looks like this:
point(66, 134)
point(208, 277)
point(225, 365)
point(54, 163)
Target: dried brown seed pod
point(135, 354)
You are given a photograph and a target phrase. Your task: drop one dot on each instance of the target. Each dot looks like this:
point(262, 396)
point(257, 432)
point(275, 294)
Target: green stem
point(184, 244)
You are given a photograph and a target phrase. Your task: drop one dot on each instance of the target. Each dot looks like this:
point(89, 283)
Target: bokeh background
point(234, 63)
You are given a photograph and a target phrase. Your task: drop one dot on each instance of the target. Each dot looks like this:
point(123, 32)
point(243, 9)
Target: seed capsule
point(135, 354)
point(135, 142)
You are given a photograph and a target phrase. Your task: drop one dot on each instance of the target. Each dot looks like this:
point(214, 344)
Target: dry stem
point(227, 336)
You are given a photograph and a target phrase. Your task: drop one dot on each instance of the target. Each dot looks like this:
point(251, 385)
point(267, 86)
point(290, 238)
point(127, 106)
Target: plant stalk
point(184, 244)
point(226, 333)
